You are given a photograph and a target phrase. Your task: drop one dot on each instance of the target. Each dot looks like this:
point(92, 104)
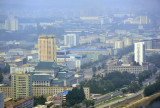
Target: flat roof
point(89, 49)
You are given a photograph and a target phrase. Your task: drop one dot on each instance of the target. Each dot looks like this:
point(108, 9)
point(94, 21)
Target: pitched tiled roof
point(46, 65)
point(39, 77)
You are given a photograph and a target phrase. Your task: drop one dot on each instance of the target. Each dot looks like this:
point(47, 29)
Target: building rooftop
point(89, 49)
point(64, 93)
point(55, 81)
point(46, 36)
point(63, 75)
point(14, 104)
point(41, 77)
point(46, 65)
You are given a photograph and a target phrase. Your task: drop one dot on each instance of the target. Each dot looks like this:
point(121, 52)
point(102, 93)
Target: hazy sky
point(81, 7)
point(77, 3)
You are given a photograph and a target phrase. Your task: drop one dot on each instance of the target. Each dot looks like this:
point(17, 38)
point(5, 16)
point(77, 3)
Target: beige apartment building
point(47, 48)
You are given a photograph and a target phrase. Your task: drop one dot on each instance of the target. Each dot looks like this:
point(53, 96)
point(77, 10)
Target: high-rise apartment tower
point(11, 24)
point(47, 48)
point(139, 52)
point(70, 40)
point(21, 84)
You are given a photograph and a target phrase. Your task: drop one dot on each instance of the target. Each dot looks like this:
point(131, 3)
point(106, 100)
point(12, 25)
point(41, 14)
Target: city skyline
point(79, 53)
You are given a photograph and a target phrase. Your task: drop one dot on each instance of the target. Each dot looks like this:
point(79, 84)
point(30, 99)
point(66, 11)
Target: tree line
point(110, 82)
point(125, 51)
point(154, 59)
point(146, 74)
point(89, 64)
point(4, 70)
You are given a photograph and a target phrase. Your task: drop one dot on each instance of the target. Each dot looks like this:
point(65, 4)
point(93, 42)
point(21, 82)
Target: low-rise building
point(68, 57)
point(24, 69)
point(60, 98)
point(128, 68)
point(45, 91)
point(48, 91)
point(16, 61)
point(88, 51)
point(24, 103)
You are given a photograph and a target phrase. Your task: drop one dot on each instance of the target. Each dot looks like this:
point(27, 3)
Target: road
point(120, 100)
point(152, 79)
point(108, 96)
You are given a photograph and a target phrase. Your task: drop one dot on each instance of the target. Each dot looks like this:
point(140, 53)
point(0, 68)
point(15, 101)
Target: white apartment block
point(70, 40)
point(11, 24)
point(23, 69)
point(118, 44)
point(139, 52)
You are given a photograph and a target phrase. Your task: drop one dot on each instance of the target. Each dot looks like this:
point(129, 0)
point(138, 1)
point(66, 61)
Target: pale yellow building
point(50, 91)
point(21, 85)
point(45, 91)
point(7, 91)
point(47, 48)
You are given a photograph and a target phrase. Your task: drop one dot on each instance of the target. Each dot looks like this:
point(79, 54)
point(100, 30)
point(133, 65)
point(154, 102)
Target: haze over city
point(79, 53)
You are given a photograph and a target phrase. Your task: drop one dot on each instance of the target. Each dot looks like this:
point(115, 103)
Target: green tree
point(125, 51)
point(77, 106)
point(154, 59)
point(82, 94)
point(65, 104)
point(134, 87)
point(1, 70)
point(144, 75)
point(109, 83)
point(1, 77)
point(88, 103)
point(154, 70)
point(153, 88)
point(75, 96)
point(6, 69)
point(39, 100)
